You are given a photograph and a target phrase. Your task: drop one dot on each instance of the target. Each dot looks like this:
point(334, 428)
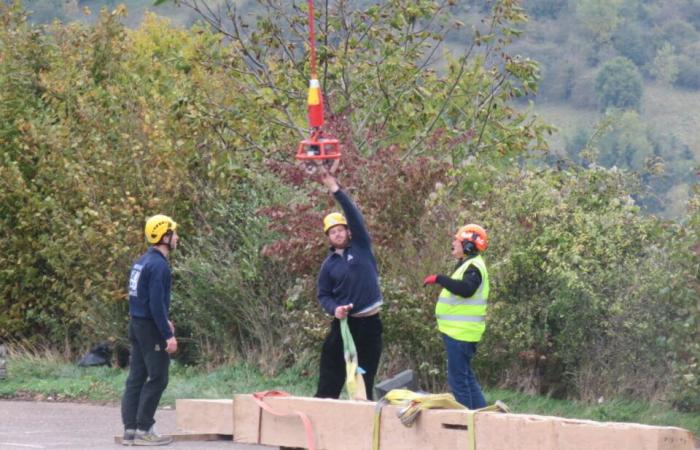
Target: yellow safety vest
point(463, 318)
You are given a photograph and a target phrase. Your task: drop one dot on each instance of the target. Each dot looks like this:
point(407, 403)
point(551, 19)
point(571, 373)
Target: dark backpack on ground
point(99, 355)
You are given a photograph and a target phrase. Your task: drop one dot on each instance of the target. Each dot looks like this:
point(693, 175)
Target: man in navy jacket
point(151, 334)
point(348, 286)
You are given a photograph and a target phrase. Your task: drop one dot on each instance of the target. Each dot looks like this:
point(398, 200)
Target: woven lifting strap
point(308, 428)
point(414, 403)
point(354, 383)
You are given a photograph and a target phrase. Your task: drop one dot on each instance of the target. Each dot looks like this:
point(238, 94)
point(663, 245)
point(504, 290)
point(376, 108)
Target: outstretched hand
point(328, 179)
point(430, 279)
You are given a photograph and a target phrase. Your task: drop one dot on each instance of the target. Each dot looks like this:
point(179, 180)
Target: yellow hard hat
point(332, 220)
point(157, 226)
point(475, 234)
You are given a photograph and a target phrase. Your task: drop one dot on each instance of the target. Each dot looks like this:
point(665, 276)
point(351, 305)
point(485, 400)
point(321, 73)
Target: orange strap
point(258, 398)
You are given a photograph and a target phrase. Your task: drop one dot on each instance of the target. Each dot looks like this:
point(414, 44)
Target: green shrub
point(689, 69)
point(619, 84)
point(621, 139)
point(580, 303)
point(677, 32)
point(632, 42)
point(549, 9)
point(229, 298)
point(559, 80)
point(583, 92)
point(682, 290)
point(665, 67)
point(103, 128)
point(599, 17)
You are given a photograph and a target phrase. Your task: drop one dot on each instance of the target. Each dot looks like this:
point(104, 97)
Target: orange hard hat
point(475, 234)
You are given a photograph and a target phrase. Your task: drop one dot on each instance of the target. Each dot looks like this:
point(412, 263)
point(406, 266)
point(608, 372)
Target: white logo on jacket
point(134, 280)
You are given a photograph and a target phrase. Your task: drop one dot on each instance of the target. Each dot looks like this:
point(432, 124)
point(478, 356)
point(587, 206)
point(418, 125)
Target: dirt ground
point(54, 425)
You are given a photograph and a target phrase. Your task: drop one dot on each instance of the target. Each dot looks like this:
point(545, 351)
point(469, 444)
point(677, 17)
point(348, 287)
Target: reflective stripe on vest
point(456, 300)
point(463, 318)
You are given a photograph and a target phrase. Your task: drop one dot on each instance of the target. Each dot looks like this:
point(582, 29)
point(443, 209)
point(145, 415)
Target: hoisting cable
point(315, 98)
point(318, 148)
point(312, 40)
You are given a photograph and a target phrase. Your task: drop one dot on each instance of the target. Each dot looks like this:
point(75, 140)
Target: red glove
point(430, 279)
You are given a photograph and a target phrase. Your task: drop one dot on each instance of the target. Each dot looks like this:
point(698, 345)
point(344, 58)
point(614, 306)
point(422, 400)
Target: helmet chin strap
point(169, 244)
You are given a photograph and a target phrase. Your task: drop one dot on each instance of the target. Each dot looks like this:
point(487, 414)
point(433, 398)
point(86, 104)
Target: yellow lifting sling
point(413, 403)
point(354, 383)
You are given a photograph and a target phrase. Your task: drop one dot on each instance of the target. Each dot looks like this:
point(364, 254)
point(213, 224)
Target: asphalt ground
point(56, 425)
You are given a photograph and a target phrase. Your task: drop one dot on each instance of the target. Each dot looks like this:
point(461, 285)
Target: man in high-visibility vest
point(461, 312)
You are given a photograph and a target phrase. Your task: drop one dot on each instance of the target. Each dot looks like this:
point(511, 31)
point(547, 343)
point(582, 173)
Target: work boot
point(147, 438)
point(128, 438)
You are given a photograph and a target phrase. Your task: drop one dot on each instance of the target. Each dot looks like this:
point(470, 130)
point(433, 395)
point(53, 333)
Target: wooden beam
point(501, 431)
point(204, 416)
point(332, 425)
point(348, 425)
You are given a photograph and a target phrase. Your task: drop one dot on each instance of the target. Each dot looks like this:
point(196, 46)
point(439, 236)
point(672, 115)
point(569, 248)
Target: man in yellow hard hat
point(348, 286)
point(151, 333)
point(461, 312)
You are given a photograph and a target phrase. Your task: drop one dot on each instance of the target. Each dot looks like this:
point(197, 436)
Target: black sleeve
point(471, 280)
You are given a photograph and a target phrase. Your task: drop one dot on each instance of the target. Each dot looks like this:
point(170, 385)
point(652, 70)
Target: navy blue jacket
point(352, 277)
point(149, 290)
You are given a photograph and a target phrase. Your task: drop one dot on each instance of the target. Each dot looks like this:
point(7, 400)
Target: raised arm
point(356, 223)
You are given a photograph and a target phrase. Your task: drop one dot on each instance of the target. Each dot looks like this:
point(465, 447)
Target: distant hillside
point(667, 111)
point(674, 111)
point(657, 42)
point(639, 56)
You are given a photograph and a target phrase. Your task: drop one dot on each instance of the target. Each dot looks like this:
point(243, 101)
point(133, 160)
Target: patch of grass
point(567, 119)
point(225, 381)
point(35, 378)
point(606, 411)
point(49, 379)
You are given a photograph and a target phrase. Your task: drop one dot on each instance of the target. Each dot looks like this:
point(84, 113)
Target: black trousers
point(367, 334)
point(148, 375)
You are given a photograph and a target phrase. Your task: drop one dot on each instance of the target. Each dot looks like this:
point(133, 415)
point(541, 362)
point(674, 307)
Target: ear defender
point(468, 247)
